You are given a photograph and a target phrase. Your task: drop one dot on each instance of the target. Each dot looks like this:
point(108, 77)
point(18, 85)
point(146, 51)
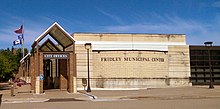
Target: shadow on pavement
point(63, 100)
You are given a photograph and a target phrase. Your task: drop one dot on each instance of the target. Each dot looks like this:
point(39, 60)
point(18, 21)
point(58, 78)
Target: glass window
point(215, 52)
point(206, 57)
point(193, 57)
point(215, 63)
point(200, 63)
point(215, 57)
point(200, 57)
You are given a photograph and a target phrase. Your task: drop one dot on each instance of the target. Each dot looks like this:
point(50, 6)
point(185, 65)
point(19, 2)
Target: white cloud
point(216, 4)
point(195, 31)
point(32, 29)
point(113, 17)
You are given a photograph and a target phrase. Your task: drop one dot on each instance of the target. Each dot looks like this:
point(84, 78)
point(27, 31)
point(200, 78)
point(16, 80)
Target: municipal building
point(71, 62)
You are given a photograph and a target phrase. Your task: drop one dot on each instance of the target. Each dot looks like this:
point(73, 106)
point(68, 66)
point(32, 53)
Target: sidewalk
point(193, 92)
point(47, 96)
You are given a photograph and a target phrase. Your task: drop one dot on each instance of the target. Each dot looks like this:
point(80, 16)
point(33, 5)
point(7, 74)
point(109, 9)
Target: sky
point(199, 20)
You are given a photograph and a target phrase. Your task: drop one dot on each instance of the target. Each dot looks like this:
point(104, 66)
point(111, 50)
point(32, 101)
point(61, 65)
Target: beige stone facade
point(133, 60)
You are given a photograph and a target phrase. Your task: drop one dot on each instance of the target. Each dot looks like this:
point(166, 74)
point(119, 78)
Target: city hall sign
point(56, 56)
point(154, 59)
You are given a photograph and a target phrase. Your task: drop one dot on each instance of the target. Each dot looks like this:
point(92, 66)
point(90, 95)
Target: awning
point(57, 33)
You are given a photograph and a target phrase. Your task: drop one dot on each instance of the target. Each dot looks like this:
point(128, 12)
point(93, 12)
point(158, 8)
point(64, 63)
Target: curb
point(23, 100)
point(88, 94)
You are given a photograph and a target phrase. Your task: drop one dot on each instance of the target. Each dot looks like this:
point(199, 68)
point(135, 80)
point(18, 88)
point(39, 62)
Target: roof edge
point(125, 33)
point(22, 60)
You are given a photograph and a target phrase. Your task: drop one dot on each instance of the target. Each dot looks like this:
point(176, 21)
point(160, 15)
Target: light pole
point(208, 45)
point(88, 47)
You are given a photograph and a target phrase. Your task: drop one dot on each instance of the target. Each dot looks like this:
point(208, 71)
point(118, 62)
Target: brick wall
point(63, 74)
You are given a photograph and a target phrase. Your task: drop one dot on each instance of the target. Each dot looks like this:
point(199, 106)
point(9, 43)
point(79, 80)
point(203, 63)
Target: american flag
point(19, 30)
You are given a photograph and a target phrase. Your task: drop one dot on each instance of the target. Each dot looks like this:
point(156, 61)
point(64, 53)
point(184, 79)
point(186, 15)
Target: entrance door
point(56, 70)
point(51, 74)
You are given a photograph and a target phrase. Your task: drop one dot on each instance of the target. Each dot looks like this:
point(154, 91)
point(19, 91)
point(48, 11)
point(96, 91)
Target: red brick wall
point(32, 73)
point(63, 73)
point(41, 71)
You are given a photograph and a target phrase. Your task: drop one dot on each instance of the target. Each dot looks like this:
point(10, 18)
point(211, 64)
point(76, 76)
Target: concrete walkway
point(193, 92)
point(47, 96)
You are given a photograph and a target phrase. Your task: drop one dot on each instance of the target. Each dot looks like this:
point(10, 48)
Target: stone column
point(74, 74)
point(70, 75)
point(38, 71)
point(37, 85)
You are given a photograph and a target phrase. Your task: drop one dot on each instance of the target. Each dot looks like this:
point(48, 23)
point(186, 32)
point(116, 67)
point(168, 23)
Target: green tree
point(9, 64)
point(19, 53)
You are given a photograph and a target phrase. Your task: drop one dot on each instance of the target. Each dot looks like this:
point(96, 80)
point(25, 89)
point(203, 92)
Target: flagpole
point(23, 40)
point(23, 48)
point(20, 40)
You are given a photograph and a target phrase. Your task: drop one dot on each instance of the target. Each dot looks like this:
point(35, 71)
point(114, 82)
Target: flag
point(19, 30)
point(20, 37)
point(17, 42)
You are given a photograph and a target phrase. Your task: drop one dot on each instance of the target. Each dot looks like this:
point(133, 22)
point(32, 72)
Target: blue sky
point(198, 19)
